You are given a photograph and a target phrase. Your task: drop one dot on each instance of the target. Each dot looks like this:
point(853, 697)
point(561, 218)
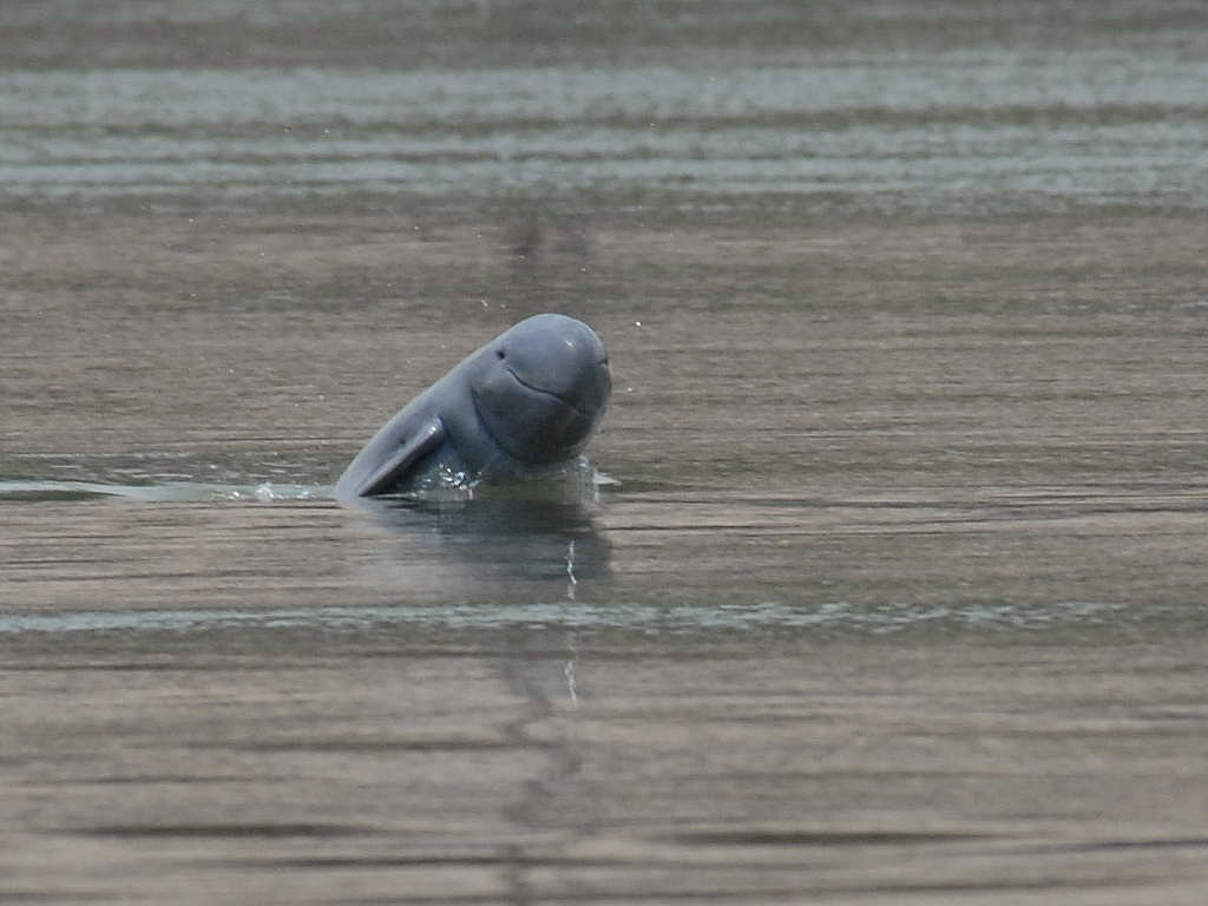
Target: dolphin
point(525, 403)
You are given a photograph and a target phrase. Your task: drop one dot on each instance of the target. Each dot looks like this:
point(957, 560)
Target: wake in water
point(176, 492)
point(580, 483)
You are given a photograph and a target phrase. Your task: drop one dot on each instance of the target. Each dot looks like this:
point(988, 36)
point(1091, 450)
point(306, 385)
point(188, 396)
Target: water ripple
point(569, 614)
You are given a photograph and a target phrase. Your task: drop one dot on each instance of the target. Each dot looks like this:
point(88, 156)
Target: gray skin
point(525, 403)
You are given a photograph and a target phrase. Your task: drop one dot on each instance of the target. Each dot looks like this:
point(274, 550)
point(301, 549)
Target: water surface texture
point(890, 588)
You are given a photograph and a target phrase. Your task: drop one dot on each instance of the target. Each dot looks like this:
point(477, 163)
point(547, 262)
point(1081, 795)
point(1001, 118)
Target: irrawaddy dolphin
point(525, 403)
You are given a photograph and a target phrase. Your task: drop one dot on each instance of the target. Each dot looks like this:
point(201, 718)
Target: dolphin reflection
point(508, 548)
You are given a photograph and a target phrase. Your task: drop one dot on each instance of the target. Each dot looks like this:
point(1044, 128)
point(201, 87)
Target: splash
point(577, 483)
point(571, 581)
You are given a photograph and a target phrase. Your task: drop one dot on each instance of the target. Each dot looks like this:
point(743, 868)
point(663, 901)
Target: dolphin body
point(525, 403)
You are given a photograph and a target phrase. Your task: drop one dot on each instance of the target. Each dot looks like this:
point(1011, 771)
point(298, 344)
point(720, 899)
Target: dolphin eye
point(500, 354)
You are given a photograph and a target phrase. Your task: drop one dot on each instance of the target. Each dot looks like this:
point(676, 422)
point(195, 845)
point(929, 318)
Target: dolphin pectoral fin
point(391, 472)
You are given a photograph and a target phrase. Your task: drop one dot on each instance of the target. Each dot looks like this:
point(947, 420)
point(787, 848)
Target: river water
point(891, 588)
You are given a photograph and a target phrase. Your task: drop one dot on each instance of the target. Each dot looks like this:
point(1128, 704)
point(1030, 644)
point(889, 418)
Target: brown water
point(895, 591)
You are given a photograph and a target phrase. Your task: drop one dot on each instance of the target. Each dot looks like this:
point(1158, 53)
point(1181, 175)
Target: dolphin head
point(541, 387)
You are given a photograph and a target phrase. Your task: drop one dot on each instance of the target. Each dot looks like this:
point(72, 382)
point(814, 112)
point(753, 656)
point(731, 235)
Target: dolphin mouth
point(533, 387)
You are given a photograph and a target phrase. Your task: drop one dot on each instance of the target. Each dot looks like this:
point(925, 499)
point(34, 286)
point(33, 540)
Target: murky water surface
point(890, 588)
